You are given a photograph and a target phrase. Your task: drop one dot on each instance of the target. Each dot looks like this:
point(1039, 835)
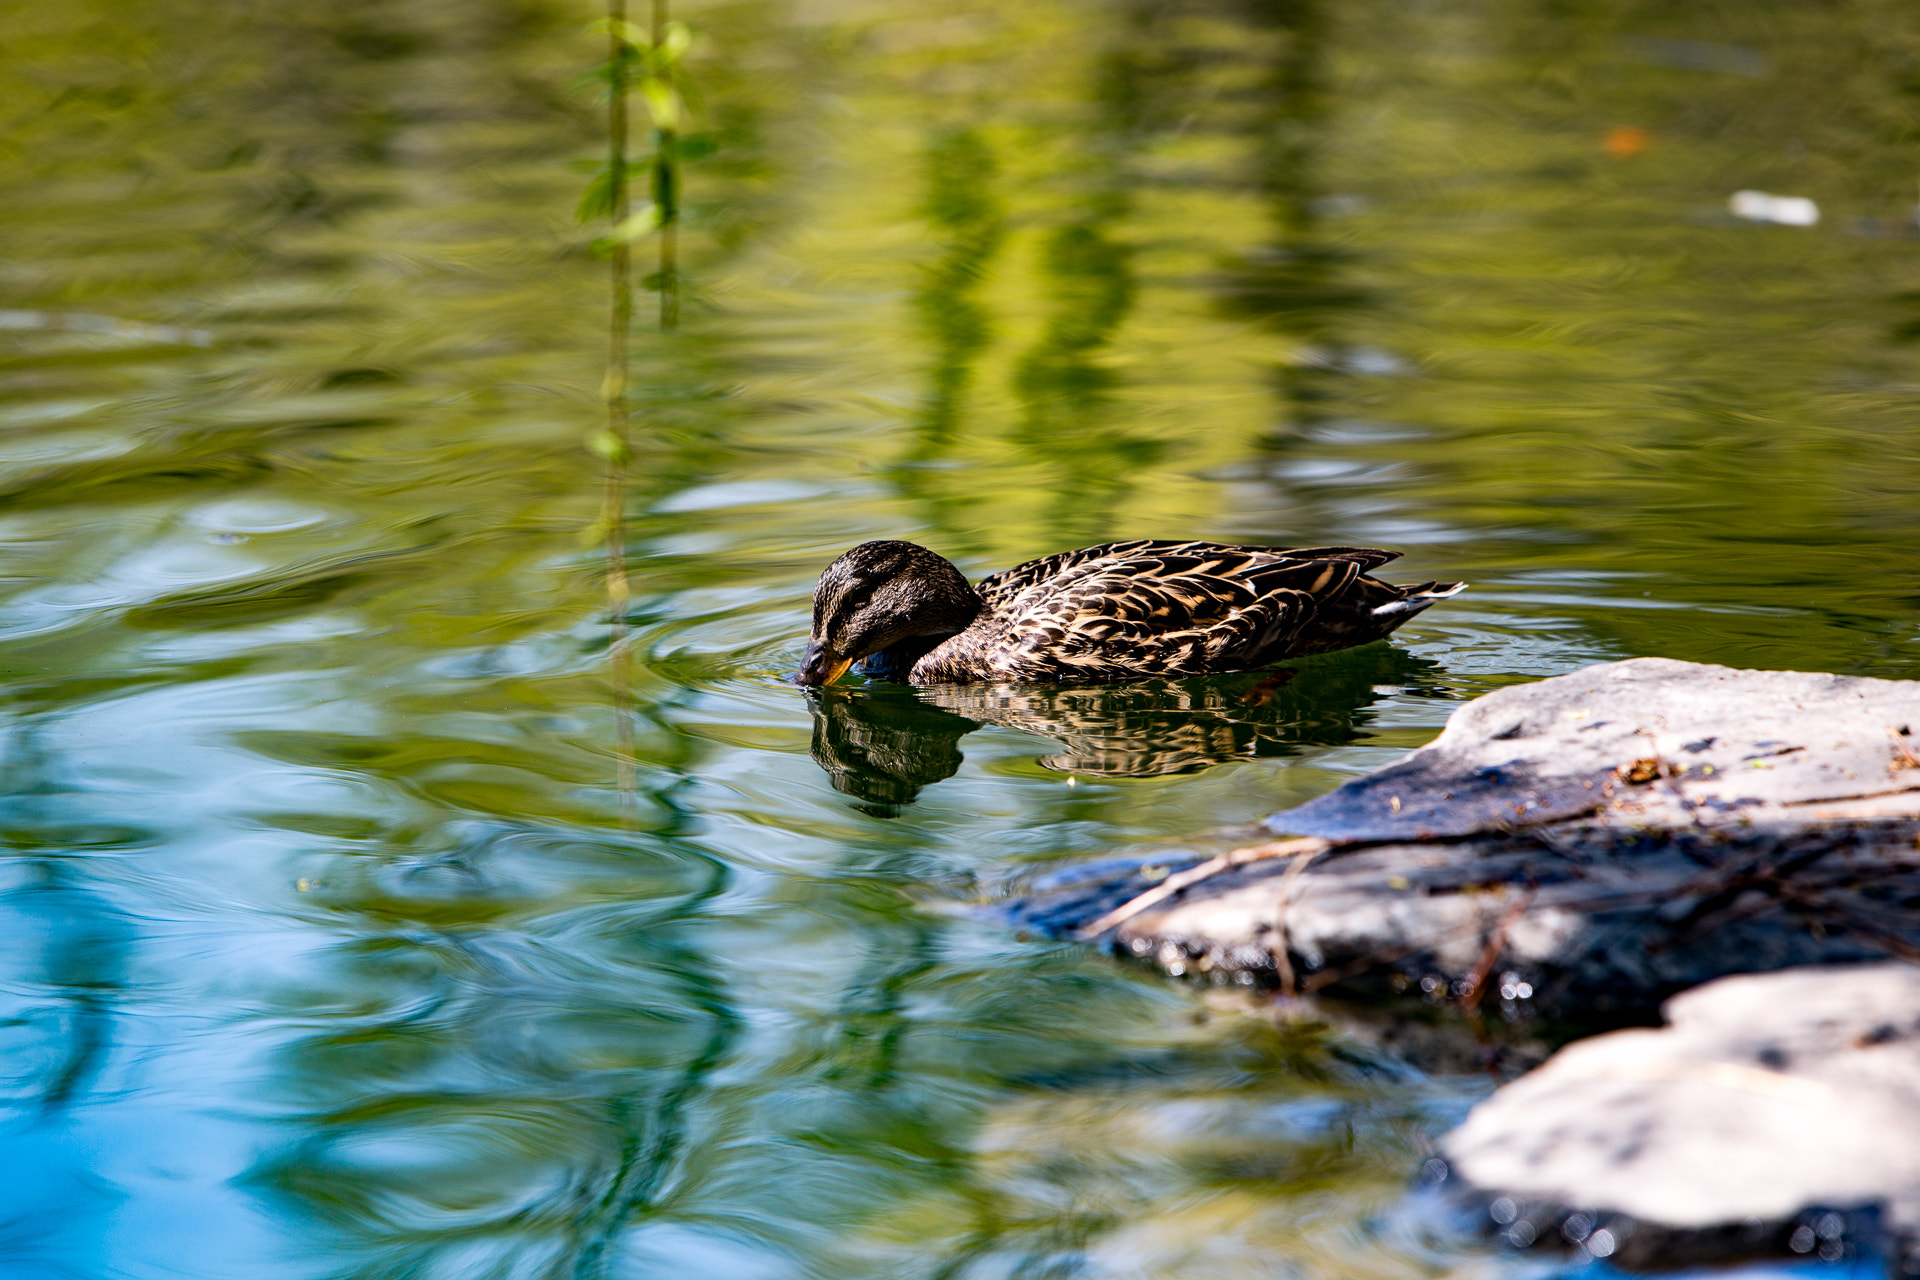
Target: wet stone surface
point(1725, 746)
point(1582, 847)
point(1773, 1115)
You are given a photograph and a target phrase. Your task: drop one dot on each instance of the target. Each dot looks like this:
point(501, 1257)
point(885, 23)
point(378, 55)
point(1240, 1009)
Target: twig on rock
point(1496, 942)
point(1282, 962)
point(1194, 875)
point(1908, 760)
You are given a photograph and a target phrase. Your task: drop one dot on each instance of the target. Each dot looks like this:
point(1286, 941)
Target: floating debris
point(1624, 141)
point(1787, 211)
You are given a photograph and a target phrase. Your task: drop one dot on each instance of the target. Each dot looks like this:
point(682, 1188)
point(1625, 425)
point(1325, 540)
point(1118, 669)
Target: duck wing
point(1167, 609)
point(999, 589)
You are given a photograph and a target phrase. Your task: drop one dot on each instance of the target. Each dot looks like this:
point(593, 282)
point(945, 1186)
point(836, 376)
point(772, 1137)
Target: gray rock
point(1775, 1113)
point(1729, 746)
point(1585, 846)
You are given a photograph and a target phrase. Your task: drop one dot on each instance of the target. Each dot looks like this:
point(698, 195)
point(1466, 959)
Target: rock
point(1774, 1113)
point(1585, 846)
point(1728, 747)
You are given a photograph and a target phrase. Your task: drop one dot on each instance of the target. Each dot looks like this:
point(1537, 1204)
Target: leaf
point(695, 146)
point(604, 444)
point(597, 200)
point(643, 221)
point(690, 95)
point(626, 31)
point(663, 104)
point(676, 39)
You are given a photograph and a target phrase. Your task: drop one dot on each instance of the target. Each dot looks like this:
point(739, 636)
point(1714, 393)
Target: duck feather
point(1147, 608)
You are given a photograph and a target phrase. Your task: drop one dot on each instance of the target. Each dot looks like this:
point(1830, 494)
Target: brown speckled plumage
point(1119, 611)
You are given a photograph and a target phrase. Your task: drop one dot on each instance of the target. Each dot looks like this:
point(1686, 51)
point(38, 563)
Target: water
point(332, 944)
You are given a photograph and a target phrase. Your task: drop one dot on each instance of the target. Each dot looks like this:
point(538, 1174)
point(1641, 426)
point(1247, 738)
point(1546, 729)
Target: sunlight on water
point(329, 944)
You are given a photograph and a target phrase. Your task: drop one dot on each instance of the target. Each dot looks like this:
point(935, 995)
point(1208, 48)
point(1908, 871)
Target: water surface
point(331, 943)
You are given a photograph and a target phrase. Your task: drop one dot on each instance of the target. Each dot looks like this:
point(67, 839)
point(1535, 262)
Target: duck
point(1135, 610)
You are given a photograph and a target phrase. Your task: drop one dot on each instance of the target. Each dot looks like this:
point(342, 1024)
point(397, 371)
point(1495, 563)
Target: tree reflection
point(1300, 283)
point(1065, 388)
point(507, 1093)
point(1064, 382)
point(64, 957)
point(57, 915)
point(964, 206)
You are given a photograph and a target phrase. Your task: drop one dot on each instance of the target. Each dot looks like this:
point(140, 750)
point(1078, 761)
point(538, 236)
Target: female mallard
point(1118, 611)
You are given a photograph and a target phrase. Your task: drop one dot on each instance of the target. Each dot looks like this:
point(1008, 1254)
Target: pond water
point(333, 940)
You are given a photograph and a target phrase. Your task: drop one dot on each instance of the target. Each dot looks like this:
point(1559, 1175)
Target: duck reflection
point(883, 743)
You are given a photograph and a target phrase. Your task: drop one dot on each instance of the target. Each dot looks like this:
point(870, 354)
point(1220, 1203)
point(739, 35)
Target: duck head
point(877, 595)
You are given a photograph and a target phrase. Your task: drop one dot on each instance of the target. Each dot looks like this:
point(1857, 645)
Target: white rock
point(1765, 1095)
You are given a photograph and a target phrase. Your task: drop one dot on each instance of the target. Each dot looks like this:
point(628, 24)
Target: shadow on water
point(883, 743)
point(83, 943)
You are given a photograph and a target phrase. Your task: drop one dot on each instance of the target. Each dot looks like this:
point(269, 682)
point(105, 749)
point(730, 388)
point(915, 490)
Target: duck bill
point(821, 666)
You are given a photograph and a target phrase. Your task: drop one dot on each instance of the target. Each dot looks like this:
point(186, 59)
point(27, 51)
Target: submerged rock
point(1774, 1114)
point(1586, 845)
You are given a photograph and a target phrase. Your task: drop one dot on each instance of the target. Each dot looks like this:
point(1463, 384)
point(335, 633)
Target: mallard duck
point(1118, 611)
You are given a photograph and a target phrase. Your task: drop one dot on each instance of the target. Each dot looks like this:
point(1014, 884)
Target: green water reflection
point(329, 945)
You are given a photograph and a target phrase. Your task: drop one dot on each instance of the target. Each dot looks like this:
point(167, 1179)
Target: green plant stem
point(613, 511)
point(666, 197)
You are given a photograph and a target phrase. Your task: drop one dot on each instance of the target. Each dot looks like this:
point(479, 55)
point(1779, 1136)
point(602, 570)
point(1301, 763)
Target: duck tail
point(1417, 598)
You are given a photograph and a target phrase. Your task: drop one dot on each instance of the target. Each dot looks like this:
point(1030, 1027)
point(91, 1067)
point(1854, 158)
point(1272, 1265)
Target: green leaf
point(695, 146)
point(690, 96)
point(626, 31)
point(643, 221)
point(597, 201)
point(605, 444)
point(663, 104)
